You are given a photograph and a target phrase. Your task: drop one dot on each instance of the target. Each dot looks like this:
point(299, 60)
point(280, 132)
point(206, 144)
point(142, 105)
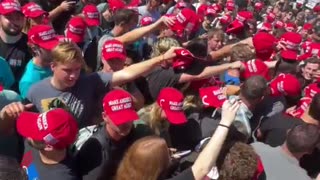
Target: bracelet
point(222, 125)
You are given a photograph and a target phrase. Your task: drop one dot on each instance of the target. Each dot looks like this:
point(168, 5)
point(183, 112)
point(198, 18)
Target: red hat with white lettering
point(118, 106)
point(9, 6)
point(186, 20)
point(254, 68)
point(302, 106)
point(113, 49)
point(311, 90)
point(290, 27)
point(76, 29)
point(145, 21)
point(212, 96)
point(44, 36)
point(266, 27)
point(210, 11)
point(258, 6)
point(292, 40)
point(33, 10)
point(271, 17)
point(225, 19)
point(92, 15)
point(181, 5)
point(285, 84)
point(217, 7)
point(279, 24)
point(238, 24)
point(56, 127)
point(183, 59)
point(171, 102)
point(264, 44)
point(230, 6)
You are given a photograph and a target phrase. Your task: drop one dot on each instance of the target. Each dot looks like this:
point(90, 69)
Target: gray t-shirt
point(80, 99)
point(278, 165)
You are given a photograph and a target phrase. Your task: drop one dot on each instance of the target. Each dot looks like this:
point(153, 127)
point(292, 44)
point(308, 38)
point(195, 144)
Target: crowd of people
point(159, 89)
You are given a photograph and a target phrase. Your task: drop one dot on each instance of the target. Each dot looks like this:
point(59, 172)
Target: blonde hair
point(67, 52)
point(146, 159)
point(241, 52)
point(27, 25)
point(163, 45)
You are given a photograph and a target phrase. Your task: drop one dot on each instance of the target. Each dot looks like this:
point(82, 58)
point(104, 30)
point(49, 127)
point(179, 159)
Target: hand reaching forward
point(229, 112)
point(13, 110)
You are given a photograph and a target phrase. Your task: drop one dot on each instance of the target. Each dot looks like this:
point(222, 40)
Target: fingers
point(28, 106)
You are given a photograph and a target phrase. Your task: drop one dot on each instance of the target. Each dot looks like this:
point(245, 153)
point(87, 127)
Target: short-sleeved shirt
point(36, 169)
point(277, 164)
point(32, 75)
point(185, 175)
point(274, 129)
point(17, 55)
point(80, 99)
point(6, 75)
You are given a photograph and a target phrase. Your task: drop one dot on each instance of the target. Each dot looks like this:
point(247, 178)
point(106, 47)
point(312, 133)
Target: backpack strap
point(103, 139)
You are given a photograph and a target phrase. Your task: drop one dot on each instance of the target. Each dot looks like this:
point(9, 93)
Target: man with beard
point(13, 43)
point(41, 40)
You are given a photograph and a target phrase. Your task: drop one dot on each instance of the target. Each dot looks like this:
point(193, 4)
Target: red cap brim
point(123, 116)
point(36, 14)
point(176, 117)
point(77, 38)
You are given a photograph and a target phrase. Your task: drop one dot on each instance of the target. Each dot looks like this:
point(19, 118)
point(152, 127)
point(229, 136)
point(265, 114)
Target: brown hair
point(146, 159)
point(240, 163)
point(216, 33)
point(241, 52)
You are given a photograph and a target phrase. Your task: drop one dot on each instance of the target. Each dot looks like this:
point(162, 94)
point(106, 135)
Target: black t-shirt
point(160, 78)
point(17, 55)
point(36, 169)
point(274, 129)
point(97, 161)
point(185, 175)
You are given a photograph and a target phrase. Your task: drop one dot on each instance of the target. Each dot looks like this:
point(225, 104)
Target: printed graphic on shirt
point(30, 168)
point(66, 101)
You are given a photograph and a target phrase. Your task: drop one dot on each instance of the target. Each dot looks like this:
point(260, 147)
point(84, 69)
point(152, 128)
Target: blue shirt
point(31, 75)
point(6, 75)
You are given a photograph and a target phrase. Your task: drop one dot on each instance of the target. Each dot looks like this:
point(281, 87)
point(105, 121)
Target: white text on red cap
point(10, 5)
point(93, 15)
point(75, 29)
point(175, 106)
point(120, 104)
point(114, 48)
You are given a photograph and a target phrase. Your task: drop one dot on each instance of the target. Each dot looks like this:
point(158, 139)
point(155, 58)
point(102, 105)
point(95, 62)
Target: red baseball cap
point(183, 59)
point(113, 49)
point(271, 17)
point(285, 84)
point(76, 29)
point(56, 127)
point(217, 7)
point(255, 67)
point(44, 36)
point(258, 6)
point(313, 50)
point(266, 27)
point(210, 11)
point(307, 27)
point(212, 96)
point(186, 19)
point(289, 55)
point(118, 105)
point(171, 102)
point(302, 106)
point(316, 8)
point(91, 14)
point(290, 26)
point(279, 24)
point(225, 19)
point(181, 5)
point(292, 40)
point(230, 6)
point(264, 44)
point(33, 10)
point(311, 90)
point(9, 6)
point(145, 21)
point(238, 24)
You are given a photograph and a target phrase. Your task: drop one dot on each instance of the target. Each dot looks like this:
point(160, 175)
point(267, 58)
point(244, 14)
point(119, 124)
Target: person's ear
point(105, 117)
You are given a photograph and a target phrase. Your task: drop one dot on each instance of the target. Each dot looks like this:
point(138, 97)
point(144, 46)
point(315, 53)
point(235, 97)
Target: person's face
point(215, 43)
point(208, 19)
point(117, 132)
point(12, 23)
point(115, 64)
point(269, 9)
point(107, 15)
point(289, 15)
point(154, 4)
point(66, 74)
point(309, 69)
point(304, 33)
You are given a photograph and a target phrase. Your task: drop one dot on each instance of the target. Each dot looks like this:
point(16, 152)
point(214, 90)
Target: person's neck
point(9, 39)
point(53, 157)
point(308, 119)
point(57, 85)
point(37, 61)
point(113, 136)
point(117, 31)
point(205, 26)
point(249, 105)
point(285, 149)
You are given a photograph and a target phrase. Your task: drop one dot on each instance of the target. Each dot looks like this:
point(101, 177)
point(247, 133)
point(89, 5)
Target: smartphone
point(182, 153)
